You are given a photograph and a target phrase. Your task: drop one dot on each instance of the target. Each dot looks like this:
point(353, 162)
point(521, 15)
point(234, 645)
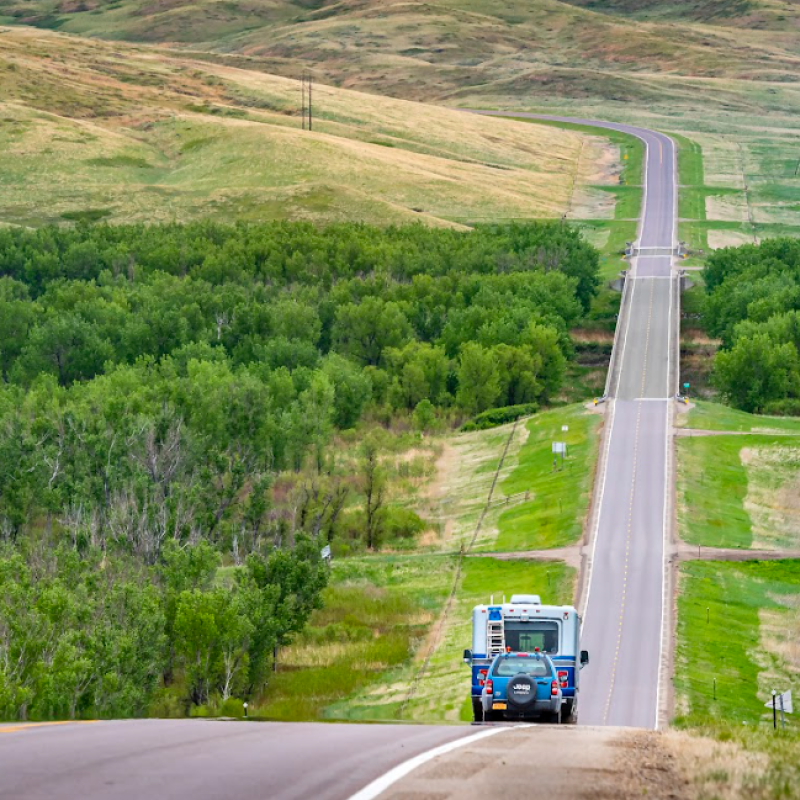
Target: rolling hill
point(96, 130)
point(451, 50)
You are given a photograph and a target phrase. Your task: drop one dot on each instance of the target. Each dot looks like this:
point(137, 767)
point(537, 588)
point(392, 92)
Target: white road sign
point(787, 702)
point(560, 447)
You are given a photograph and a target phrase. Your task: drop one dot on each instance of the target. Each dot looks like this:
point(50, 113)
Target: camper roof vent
point(526, 599)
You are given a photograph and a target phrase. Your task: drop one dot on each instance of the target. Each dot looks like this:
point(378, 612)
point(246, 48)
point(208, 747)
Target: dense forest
point(753, 306)
point(170, 403)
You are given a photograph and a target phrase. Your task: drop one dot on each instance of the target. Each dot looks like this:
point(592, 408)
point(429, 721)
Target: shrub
point(232, 707)
point(403, 523)
point(500, 416)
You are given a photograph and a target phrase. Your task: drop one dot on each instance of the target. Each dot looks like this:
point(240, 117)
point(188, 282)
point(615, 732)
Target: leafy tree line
point(175, 392)
point(753, 306)
point(84, 634)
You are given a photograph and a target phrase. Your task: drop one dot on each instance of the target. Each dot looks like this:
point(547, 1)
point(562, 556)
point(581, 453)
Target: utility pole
point(303, 92)
point(305, 89)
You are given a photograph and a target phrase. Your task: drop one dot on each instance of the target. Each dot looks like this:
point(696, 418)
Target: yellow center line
point(25, 726)
point(625, 571)
point(647, 336)
point(660, 153)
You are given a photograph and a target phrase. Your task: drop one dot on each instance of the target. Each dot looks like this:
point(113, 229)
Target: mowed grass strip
point(712, 486)
point(716, 417)
point(377, 609)
point(559, 495)
point(720, 639)
point(690, 161)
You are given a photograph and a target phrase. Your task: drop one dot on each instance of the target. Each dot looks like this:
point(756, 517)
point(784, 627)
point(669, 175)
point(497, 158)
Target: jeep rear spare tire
point(521, 691)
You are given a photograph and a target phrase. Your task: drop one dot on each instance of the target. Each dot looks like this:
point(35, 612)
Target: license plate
point(499, 705)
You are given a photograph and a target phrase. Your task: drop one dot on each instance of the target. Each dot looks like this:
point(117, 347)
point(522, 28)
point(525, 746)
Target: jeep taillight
point(562, 677)
point(482, 678)
point(489, 687)
point(554, 689)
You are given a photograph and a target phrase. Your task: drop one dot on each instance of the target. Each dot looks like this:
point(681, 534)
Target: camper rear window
point(525, 637)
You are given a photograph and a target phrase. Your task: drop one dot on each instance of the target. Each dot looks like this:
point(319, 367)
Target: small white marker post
point(245, 710)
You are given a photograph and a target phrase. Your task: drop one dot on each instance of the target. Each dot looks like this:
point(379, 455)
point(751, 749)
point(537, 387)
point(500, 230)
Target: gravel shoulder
point(598, 763)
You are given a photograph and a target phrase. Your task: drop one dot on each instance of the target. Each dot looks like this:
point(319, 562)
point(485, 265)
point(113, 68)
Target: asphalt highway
point(626, 612)
point(204, 759)
point(624, 619)
point(626, 604)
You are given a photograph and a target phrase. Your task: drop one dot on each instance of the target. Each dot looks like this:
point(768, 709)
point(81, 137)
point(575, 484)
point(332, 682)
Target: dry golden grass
point(773, 496)
point(128, 133)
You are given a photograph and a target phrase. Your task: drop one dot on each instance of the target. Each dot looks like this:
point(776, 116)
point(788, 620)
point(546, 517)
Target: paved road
point(625, 612)
point(204, 759)
point(623, 630)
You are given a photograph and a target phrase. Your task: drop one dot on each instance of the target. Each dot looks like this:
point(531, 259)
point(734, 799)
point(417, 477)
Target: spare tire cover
point(521, 690)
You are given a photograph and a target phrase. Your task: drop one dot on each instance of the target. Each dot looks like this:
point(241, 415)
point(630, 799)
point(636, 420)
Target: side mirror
point(584, 658)
point(468, 656)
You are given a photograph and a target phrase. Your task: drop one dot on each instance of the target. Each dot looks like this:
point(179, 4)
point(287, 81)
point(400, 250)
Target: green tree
point(64, 345)
point(364, 330)
point(757, 371)
point(352, 390)
point(478, 379)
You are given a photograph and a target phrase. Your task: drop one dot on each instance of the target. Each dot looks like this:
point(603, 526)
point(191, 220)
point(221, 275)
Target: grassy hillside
point(99, 131)
point(453, 48)
point(720, 73)
point(761, 14)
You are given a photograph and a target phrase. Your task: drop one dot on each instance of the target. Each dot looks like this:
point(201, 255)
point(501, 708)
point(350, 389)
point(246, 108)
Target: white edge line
point(645, 170)
point(380, 785)
point(596, 531)
point(634, 263)
point(664, 525)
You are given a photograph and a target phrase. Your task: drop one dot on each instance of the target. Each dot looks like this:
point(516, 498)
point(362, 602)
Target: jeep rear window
point(508, 667)
point(524, 637)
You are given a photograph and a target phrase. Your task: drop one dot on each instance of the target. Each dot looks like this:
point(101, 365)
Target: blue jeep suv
point(522, 686)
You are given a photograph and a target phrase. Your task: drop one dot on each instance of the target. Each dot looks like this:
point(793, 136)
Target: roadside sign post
point(686, 389)
point(784, 701)
point(245, 710)
point(774, 716)
point(559, 448)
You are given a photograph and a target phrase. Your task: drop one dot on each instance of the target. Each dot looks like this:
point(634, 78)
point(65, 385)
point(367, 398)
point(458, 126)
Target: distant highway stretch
point(627, 605)
point(625, 626)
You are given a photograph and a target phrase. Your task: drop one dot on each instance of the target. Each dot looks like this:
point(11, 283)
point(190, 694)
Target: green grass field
point(717, 417)
point(735, 623)
point(441, 694)
point(559, 498)
point(377, 610)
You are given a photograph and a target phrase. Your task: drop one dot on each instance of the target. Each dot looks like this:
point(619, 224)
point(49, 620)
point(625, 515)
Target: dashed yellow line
point(625, 569)
point(25, 726)
point(629, 530)
point(647, 336)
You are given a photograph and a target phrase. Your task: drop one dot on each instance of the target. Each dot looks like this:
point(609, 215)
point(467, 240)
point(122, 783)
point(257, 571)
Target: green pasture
point(720, 640)
point(377, 609)
point(559, 496)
